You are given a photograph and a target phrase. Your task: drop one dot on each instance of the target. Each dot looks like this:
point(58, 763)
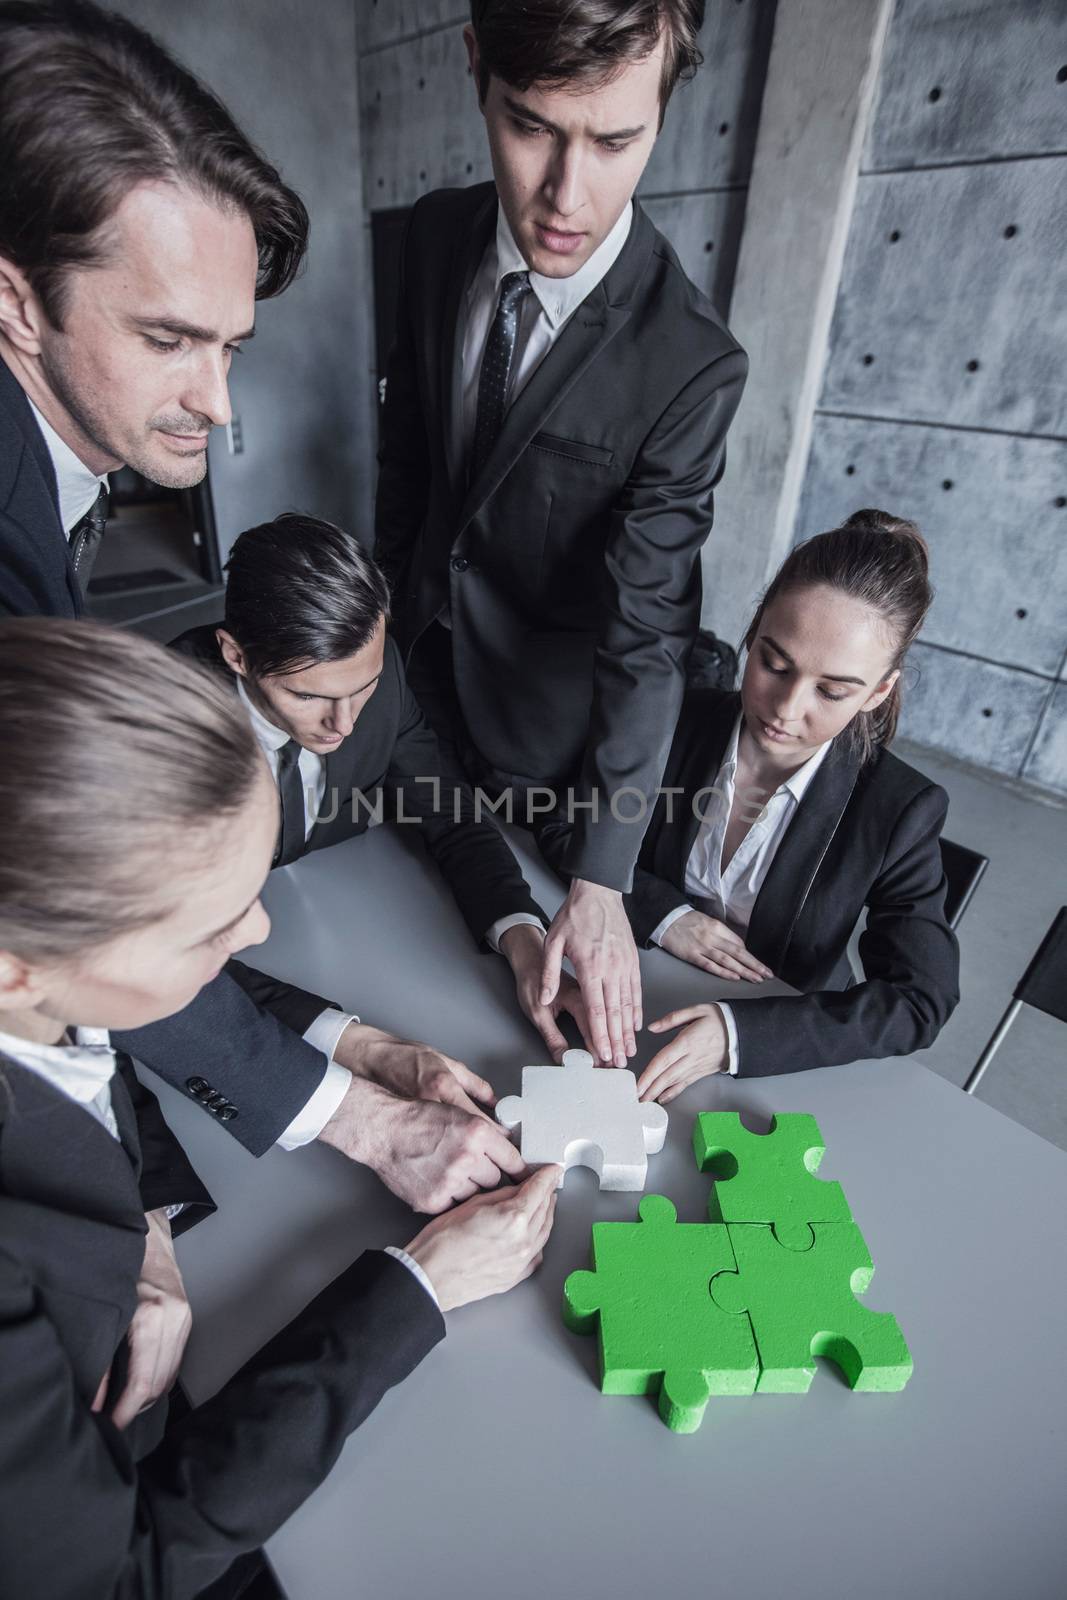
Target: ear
point(21, 312)
point(883, 691)
point(21, 985)
point(470, 39)
point(232, 653)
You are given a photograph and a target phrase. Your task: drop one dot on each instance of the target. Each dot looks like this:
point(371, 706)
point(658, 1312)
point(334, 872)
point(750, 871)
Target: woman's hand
point(706, 942)
point(490, 1243)
point(701, 1048)
point(523, 948)
point(159, 1330)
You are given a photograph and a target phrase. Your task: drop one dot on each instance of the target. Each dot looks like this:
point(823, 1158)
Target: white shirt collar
point(797, 783)
point(77, 484)
point(270, 737)
point(79, 1070)
point(560, 297)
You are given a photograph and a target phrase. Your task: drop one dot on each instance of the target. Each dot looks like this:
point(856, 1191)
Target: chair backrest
point(1044, 983)
point(963, 872)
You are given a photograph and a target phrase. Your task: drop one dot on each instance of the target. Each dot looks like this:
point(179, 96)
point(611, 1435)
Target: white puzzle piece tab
point(582, 1115)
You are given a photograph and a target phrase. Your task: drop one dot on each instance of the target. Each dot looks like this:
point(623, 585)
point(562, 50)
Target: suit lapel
point(466, 258)
point(37, 462)
point(703, 760)
point(800, 855)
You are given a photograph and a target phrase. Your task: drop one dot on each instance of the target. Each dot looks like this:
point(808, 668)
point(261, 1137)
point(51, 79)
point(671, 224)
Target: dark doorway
point(160, 552)
point(387, 236)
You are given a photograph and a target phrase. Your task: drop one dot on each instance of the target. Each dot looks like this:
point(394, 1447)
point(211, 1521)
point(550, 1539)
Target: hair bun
point(873, 521)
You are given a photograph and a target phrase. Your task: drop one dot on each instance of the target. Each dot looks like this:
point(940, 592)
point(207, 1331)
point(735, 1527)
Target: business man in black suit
point(303, 643)
point(555, 413)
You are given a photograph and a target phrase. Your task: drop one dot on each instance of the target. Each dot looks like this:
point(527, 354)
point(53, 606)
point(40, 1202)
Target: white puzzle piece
point(582, 1115)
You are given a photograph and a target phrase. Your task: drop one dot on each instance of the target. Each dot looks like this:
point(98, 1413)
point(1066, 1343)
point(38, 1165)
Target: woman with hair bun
point(790, 819)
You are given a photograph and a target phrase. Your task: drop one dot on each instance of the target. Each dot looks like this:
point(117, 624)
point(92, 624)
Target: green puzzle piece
point(659, 1328)
point(768, 1177)
point(801, 1304)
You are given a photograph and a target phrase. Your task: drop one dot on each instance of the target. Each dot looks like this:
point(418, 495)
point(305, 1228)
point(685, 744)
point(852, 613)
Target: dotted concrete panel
point(709, 133)
point(951, 306)
point(420, 120)
point(993, 509)
point(1047, 762)
point(380, 22)
point(705, 230)
point(970, 80)
point(974, 710)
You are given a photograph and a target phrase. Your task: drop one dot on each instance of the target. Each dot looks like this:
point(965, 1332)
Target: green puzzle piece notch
point(802, 1304)
point(649, 1298)
point(770, 1177)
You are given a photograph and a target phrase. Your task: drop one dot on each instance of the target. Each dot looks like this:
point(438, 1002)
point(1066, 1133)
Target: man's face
point(566, 161)
point(318, 706)
point(140, 365)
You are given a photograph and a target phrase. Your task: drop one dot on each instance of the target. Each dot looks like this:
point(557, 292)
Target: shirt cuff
point(309, 1122)
point(732, 1046)
point(518, 919)
point(672, 916)
point(395, 1251)
point(325, 1032)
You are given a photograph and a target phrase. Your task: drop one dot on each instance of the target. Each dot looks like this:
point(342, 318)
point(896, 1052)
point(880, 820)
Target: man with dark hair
point(304, 646)
point(138, 226)
point(556, 407)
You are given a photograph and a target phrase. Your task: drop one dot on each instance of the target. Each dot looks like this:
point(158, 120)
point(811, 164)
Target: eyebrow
point(310, 694)
point(519, 110)
point(190, 330)
point(832, 677)
point(231, 924)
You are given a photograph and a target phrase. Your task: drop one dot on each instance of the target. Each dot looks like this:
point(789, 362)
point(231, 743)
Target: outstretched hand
point(592, 930)
point(701, 1048)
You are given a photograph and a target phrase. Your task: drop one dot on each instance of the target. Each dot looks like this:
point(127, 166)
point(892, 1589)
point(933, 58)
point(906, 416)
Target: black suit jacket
point(37, 575)
point(242, 1063)
point(863, 838)
point(392, 760)
point(85, 1514)
point(571, 564)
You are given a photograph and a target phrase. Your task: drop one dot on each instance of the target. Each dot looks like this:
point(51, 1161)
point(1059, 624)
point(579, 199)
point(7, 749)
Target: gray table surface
point(498, 1468)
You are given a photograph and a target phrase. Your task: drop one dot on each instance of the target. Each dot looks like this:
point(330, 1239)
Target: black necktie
point(85, 537)
point(496, 367)
point(291, 790)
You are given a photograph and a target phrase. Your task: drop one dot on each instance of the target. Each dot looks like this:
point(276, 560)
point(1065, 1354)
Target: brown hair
point(882, 561)
point(91, 105)
point(556, 42)
point(110, 748)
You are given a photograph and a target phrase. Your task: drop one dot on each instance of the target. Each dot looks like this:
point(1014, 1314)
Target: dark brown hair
point(91, 105)
point(556, 42)
point(883, 562)
point(111, 750)
point(300, 591)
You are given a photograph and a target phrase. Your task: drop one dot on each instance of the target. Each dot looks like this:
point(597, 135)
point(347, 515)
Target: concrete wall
point(301, 387)
point(943, 397)
point(422, 128)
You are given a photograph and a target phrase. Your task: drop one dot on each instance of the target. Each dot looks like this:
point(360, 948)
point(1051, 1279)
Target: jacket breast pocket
point(594, 455)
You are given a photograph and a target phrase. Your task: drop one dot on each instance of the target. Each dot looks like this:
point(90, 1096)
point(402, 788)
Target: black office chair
point(964, 870)
point(1043, 985)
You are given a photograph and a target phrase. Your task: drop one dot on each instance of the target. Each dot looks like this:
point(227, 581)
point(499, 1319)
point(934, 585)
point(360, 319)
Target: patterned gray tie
point(496, 367)
point(292, 825)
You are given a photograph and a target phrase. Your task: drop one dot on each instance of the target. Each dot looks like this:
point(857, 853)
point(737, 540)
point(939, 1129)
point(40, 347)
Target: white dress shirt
point(78, 486)
point(542, 315)
point(733, 892)
point(83, 1071)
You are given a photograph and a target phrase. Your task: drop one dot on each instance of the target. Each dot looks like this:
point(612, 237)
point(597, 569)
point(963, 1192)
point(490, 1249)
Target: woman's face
point(214, 879)
point(819, 658)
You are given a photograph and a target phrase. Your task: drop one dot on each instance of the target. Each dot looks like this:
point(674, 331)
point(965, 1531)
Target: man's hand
point(428, 1153)
point(410, 1069)
point(159, 1329)
point(701, 1048)
point(706, 942)
point(491, 1243)
point(523, 946)
point(592, 929)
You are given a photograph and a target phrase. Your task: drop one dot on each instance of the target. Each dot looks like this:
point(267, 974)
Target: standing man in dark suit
point(138, 226)
point(555, 414)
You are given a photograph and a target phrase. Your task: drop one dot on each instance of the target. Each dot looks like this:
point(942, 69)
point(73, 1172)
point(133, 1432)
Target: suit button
point(460, 563)
point(227, 1113)
point(199, 1088)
